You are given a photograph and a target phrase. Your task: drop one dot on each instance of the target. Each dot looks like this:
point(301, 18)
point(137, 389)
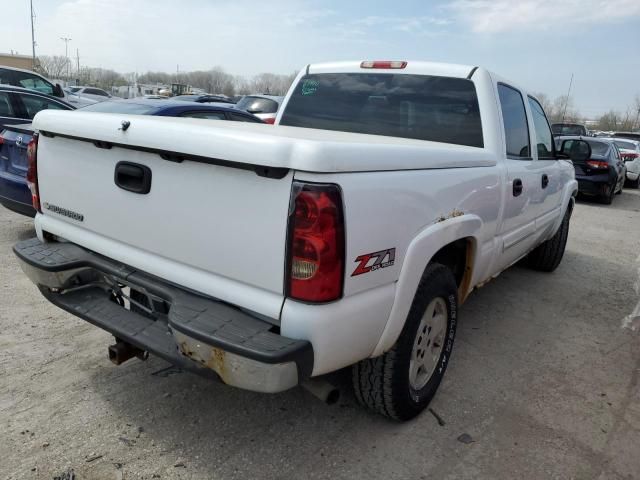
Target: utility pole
point(567, 100)
point(78, 62)
point(33, 38)
point(66, 41)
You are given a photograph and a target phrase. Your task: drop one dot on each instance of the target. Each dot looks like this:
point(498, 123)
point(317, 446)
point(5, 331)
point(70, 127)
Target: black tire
point(608, 198)
point(635, 183)
point(382, 384)
point(547, 256)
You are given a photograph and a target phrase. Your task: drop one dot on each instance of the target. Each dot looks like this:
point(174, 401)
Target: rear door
point(10, 112)
point(30, 104)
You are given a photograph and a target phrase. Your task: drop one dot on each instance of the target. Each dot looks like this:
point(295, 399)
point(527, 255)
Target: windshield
point(73, 89)
point(121, 107)
point(439, 109)
point(625, 145)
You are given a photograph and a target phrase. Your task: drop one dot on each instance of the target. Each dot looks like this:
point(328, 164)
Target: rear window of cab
point(422, 107)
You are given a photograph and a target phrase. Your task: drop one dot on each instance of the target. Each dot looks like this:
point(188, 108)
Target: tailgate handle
point(133, 177)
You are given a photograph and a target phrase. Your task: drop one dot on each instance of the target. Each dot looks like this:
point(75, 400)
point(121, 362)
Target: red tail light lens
point(629, 156)
point(270, 121)
point(32, 172)
point(597, 164)
point(316, 243)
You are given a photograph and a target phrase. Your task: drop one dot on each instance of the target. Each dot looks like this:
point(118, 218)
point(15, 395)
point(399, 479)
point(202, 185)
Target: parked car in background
point(203, 98)
point(174, 108)
point(30, 80)
point(77, 100)
point(262, 106)
point(14, 191)
point(630, 153)
point(569, 129)
point(629, 135)
point(92, 93)
point(603, 174)
point(18, 106)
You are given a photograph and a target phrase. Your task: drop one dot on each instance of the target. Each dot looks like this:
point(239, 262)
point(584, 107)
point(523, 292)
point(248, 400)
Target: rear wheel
point(607, 198)
point(547, 256)
point(402, 382)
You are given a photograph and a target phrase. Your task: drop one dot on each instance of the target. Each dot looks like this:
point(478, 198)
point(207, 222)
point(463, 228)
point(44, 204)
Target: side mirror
point(575, 150)
point(57, 91)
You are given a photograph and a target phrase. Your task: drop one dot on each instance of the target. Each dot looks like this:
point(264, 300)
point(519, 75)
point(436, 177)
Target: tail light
point(270, 121)
point(393, 64)
point(627, 157)
point(315, 250)
point(598, 164)
point(32, 172)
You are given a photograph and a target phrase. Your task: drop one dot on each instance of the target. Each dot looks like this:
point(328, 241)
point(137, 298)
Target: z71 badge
point(374, 261)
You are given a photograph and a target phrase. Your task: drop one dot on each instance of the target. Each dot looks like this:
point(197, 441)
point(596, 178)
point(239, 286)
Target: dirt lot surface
point(543, 381)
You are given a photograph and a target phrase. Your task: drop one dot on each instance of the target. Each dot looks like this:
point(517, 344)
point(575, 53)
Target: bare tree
point(271, 84)
point(105, 78)
point(609, 121)
point(52, 66)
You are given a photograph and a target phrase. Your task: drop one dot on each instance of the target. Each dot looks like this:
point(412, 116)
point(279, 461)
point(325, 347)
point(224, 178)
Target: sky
point(537, 44)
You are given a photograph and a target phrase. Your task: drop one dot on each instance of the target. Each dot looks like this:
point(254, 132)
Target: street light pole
point(66, 41)
point(33, 38)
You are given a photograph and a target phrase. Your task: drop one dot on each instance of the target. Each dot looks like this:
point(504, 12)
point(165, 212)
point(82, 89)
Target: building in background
point(16, 61)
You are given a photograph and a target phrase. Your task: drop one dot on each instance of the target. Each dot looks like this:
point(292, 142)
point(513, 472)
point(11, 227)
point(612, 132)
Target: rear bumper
point(595, 184)
point(200, 334)
point(633, 176)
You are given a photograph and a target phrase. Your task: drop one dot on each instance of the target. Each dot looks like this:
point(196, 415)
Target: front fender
point(419, 253)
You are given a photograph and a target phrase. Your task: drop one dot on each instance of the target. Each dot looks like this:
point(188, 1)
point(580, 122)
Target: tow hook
point(121, 351)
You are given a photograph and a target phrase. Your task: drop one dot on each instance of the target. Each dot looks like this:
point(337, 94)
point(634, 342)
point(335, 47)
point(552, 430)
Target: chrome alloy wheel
point(428, 344)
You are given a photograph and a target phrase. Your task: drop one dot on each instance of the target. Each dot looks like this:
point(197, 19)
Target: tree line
point(562, 109)
point(215, 80)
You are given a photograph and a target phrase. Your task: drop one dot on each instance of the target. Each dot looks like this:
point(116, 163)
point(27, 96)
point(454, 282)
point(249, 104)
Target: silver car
point(264, 107)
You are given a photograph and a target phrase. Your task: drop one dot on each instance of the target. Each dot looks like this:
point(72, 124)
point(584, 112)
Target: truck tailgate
point(227, 222)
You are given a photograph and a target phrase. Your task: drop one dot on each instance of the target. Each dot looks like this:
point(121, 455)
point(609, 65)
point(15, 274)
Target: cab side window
point(32, 82)
point(516, 128)
point(544, 142)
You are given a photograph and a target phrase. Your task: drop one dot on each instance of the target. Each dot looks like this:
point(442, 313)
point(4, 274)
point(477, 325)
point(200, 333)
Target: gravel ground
point(543, 381)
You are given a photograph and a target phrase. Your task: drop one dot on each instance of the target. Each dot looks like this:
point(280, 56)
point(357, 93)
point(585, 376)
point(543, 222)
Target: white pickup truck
point(346, 235)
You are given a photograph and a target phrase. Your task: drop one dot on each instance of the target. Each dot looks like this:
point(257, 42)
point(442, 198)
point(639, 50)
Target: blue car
point(14, 192)
point(18, 106)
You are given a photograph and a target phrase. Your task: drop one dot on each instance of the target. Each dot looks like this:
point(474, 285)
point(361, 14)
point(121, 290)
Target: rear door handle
point(517, 187)
point(545, 180)
point(133, 177)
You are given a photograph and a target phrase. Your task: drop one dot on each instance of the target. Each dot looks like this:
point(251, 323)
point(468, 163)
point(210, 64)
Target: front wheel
point(400, 383)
